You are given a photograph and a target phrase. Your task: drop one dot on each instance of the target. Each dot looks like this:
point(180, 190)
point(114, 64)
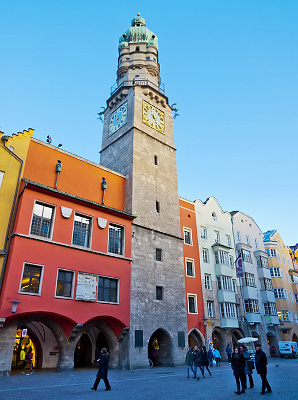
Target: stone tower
point(138, 141)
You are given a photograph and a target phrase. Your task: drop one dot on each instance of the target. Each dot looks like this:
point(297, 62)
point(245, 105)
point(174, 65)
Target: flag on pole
point(239, 268)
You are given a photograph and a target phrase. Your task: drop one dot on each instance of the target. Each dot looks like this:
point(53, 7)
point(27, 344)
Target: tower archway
point(295, 338)
point(160, 349)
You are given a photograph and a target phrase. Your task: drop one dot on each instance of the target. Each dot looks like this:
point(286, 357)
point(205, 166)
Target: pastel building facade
point(13, 153)
point(220, 285)
point(261, 320)
point(285, 284)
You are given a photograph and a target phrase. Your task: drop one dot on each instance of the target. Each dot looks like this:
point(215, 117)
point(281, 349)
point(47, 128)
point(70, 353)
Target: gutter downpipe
point(240, 280)
point(13, 211)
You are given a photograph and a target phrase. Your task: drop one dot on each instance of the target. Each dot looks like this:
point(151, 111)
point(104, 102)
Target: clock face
point(153, 117)
point(118, 118)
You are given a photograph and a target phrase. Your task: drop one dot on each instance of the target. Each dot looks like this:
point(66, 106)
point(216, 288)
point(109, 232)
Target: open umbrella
point(247, 340)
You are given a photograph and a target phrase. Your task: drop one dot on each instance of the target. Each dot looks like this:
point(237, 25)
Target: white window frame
point(208, 282)
point(40, 281)
point(275, 272)
point(43, 203)
point(296, 297)
point(90, 218)
point(246, 256)
point(205, 255)
point(238, 236)
point(210, 309)
point(122, 227)
point(252, 305)
point(192, 261)
point(72, 284)
point(228, 237)
point(280, 293)
point(194, 296)
point(216, 237)
point(203, 232)
point(188, 230)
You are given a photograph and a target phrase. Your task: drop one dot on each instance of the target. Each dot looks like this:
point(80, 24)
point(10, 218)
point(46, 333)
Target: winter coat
point(199, 361)
point(204, 359)
point(216, 354)
point(238, 363)
point(228, 350)
point(103, 366)
point(189, 358)
point(247, 370)
point(210, 355)
point(261, 362)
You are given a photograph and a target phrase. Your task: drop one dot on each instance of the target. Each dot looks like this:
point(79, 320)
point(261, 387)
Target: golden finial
point(138, 14)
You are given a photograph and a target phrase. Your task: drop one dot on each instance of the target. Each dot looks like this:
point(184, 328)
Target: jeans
point(190, 367)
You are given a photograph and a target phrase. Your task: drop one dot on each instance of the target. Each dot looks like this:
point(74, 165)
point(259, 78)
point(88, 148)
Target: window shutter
point(138, 338)
point(181, 339)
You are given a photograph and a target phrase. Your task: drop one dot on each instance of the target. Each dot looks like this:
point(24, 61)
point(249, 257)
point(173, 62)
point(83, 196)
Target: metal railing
point(137, 82)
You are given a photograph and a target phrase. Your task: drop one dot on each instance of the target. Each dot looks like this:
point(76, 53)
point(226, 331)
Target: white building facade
point(221, 290)
point(261, 320)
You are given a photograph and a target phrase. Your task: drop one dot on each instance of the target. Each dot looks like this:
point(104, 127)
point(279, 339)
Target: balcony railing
point(137, 82)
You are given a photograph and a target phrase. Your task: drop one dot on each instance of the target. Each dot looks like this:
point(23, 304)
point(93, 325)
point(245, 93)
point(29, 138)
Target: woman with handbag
point(249, 366)
point(238, 364)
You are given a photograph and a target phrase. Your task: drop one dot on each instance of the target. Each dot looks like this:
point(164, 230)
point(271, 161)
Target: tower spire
point(138, 55)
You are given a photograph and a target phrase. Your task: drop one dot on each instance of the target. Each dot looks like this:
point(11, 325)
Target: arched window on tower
point(137, 48)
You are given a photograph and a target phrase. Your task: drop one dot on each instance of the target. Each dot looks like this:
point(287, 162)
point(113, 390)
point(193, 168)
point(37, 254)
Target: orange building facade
point(193, 282)
point(68, 270)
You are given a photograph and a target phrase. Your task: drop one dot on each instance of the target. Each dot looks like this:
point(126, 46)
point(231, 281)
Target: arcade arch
point(160, 348)
point(218, 339)
point(195, 338)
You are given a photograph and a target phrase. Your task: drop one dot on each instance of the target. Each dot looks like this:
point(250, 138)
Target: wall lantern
point(14, 305)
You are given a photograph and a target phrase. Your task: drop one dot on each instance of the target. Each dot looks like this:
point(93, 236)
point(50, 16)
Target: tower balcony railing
point(138, 82)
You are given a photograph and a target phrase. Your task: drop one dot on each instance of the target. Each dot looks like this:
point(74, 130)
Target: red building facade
point(68, 269)
point(193, 282)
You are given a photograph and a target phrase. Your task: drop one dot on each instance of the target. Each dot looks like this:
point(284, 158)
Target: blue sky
point(231, 65)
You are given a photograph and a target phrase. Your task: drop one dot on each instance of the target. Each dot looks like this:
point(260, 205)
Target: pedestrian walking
point(217, 357)
point(238, 364)
point(261, 367)
point(28, 361)
point(102, 370)
point(204, 361)
point(189, 362)
point(195, 367)
point(210, 357)
point(229, 352)
point(249, 365)
point(198, 361)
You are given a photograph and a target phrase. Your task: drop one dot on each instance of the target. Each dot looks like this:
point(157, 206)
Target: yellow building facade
point(285, 284)
point(13, 152)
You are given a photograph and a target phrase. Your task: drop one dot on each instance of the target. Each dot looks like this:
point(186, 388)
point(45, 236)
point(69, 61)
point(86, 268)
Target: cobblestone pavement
point(156, 383)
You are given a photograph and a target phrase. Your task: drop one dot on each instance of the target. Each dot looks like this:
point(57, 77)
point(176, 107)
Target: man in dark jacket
point(102, 370)
point(261, 367)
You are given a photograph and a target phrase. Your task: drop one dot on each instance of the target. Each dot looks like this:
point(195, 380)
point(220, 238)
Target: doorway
point(160, 348)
